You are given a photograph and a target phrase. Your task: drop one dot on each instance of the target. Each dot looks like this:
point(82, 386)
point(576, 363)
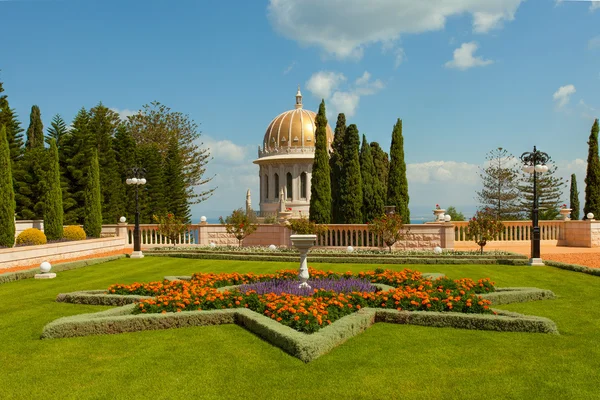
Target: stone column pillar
point(122, 232)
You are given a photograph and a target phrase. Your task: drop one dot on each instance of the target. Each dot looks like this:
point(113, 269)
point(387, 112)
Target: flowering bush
point(31, 237)
point(484, 227)
point(437, 207)
point(171, 227)
point(308, 312)
point(303, 226)
point(389, 227)
point(289, 286)
point(240, 224)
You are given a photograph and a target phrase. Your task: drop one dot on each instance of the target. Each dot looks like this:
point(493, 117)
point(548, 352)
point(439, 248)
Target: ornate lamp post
point(137, 180)
point(534, 163)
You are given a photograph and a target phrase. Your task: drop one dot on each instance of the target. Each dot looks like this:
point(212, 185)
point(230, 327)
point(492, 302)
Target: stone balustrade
point(516, 230)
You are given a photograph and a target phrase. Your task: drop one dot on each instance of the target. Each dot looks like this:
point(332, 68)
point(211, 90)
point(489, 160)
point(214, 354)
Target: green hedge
point(573, 267)
point(30, 273)
point(518, 295)
point(99, 298)
point(344, 260)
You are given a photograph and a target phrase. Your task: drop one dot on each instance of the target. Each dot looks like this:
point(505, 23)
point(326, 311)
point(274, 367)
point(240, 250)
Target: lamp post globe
point(535, 162)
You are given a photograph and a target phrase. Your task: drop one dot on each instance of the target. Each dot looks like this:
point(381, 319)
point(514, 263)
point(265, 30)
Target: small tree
point(454, 214)
point(388, 227)
point(7, 194)
point(92, 221)
point(53, 205)
point(574, 198)
point(303, 226)
point(171, 226)
point(484, 227)
point(240, 224)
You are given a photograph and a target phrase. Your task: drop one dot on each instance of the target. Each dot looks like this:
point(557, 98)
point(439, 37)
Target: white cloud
point(594, 43)
point(443, 171)
point(595, 5)
point(587, 111)
point(344, 29)
point(563, 95)
point(225, 151)
point(400, 57)
point(289, 68)
point(326, 85)
point(124, 113)
point(322, 83)
point(464, 59)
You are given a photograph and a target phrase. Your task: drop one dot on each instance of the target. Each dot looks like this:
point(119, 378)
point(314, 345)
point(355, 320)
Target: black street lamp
point(137, 180)
point(534, 163)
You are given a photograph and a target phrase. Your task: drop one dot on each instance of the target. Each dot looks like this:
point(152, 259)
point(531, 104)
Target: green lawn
point(227, 362)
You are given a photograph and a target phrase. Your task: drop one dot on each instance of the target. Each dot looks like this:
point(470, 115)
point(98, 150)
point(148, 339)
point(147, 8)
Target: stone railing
point(515, 230)
point(285, 150)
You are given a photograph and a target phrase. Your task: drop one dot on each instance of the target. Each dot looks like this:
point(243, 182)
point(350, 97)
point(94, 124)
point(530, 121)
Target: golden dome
point(293, 128)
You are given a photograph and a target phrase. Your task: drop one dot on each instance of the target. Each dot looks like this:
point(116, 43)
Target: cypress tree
point(53, 207)
point(397, 190)
point(335, 165)
point(125, 154)
point(351, 193)
point(92, 221)
point(35, 132)
point(574, 198)
point(320, 190)
point(174, 183)
point(592, 176)
point(152, 199)
point(7, 195)
point(373, 205)
point(382, 167)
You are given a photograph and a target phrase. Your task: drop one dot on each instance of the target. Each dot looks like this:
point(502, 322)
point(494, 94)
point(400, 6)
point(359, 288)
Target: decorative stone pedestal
point(536, 262)
point(565, 213)
point(303, 243)
point(47, 275)
point(439, 215)
point(137, 254)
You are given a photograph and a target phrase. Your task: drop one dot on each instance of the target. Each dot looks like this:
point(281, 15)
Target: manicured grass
point(387, 361)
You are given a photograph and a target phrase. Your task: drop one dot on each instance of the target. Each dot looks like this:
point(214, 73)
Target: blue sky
point(465, 76)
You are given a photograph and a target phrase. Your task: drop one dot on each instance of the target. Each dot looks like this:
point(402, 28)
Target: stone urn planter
point(565, 213)
point(439, 214)
point(303, 243)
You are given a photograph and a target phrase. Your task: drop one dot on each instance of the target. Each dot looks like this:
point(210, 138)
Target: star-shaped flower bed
point(305, 322)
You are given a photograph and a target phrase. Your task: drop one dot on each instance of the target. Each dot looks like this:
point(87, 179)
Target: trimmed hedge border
point(342, 260)
point(573, 267)
point(518, 295)
point(306, 347)
point(30, 273)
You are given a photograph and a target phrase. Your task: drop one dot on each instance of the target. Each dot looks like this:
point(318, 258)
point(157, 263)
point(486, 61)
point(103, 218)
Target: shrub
point(74, 232)
point(240, 224)
point(31, 237)
point(484, 227)
point(303, 226)
point(389, 227)
point(171, 226)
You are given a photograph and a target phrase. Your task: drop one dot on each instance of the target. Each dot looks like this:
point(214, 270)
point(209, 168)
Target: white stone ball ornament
point(212, 245)
point(272, 247)
point(45, 267)
point(203, 219)
point(448, 218)
point(590, 216)
point(122, 219)
point(350, 249)
point(437, 250)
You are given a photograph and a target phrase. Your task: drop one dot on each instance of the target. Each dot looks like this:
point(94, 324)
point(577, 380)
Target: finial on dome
point(298, 98)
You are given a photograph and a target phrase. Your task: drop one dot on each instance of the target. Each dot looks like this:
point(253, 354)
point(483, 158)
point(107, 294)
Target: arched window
point(289, 186)
point(303, 185)
point(266, 182)
point(276, 186)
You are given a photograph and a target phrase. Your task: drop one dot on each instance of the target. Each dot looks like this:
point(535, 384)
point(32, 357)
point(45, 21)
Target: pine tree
point(103, 126)
point(549, 193)
point(174, 184)
point(382, 167)
point(351, 194)
point(35, 132)
point(7, 195)
point(574, 198)
point(373, 205)
point(335, 165)
point(57, 130)
point(592, 176)
point(92, 221)
point(78, 149)
point(53, 208)
point(152, 199)
point(60, 133)
point(397, 190)
point(320, 190)
point(500, 192)
point(125, 154)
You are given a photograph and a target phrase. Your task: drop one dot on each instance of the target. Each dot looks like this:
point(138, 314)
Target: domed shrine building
point(286, 159)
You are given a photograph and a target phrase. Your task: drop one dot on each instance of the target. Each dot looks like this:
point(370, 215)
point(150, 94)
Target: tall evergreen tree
point(78, 149)
point(373, 205)
point(592, 176)
point(549, 193)
point(7, 195)
point(125, 153)
point(174, 183)
point(500, 192)
point(574, 198)
point(320, 190)
point(351, 194)
point(152, 199)
point(35, 132)
point(335, 165)
point(53, 207)
point(92, 221)
point(382, 167)
point(397, 190)
point(57, 130)
point(103, 126)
